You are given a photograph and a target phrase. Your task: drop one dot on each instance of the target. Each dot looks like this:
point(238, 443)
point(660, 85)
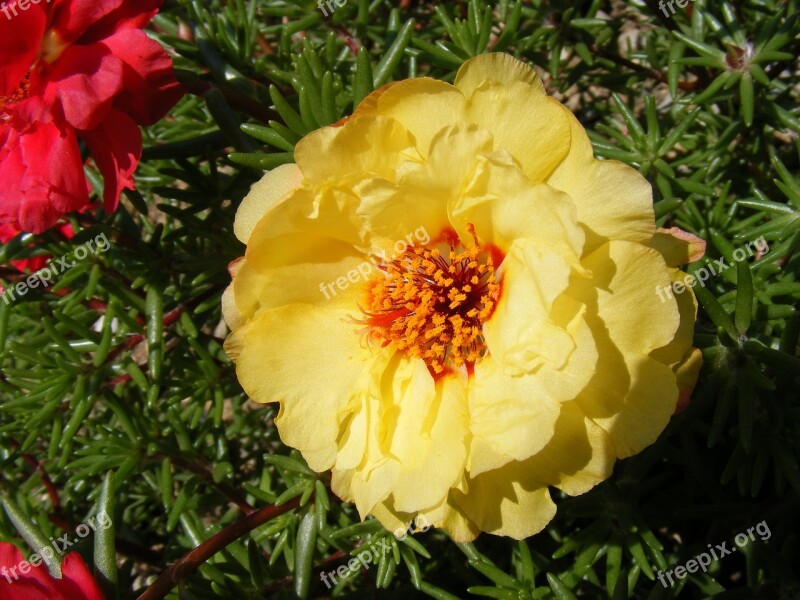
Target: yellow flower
point(510, 338)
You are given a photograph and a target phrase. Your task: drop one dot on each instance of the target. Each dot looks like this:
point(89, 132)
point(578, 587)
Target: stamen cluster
point(21, 93)
point(432, 305)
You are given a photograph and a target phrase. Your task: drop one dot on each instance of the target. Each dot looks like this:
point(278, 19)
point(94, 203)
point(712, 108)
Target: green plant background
point(115, 393)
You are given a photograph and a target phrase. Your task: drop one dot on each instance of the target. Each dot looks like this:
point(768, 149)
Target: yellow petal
point(538, 135)
point(504, 206)
point(317, 377)
point(230, 312)
point(398, 214)
point(430, 443)
point(631, 396)
point(292, 273)
point(316, 242)
point(625, 275)
point(450, 517)
point(424, 107)
point(451, 163)
point(613, 200)
point(368, 144)
point(416, 440)
point(676, 349)
point(520, 334)
point(369, 105)
point(365, 489)
point(392, 520)
point(687, 373)
point(678, 247)
point(511, 418)
point(579, 456)
point(566, 381)
point(275, 186)
point(507, 501)
point(499, 67)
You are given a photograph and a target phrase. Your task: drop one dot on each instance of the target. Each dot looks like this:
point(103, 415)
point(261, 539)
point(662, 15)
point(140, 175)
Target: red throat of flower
point(431, 301)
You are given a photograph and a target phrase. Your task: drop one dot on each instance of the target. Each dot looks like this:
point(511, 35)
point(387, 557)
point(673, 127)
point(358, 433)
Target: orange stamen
point(432, 304)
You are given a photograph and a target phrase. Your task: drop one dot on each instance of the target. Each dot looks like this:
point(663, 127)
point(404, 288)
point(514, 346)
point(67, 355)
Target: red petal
point(14, 585)
point(80, 87)
point(77, 582)
point(20, 38)
point(129, 15)
point(42, 175)
point(150, 87)
point(89, 21)
point(116, 146)
point(9, 555)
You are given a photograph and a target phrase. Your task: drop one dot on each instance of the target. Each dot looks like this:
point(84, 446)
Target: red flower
point(20, 580)
point(75, 70)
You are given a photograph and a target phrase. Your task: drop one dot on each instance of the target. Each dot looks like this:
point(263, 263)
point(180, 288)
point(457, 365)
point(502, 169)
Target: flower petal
point(450, 517)
point(408, 440)
point(150, 87)
point(20, 37)
point(538, 136)
point(579, 455)
point(520, 334)
point(316, 378)
point(511, 418)
point(423, 106)
point(230, 311)
point(678, 247)
point(273, 187)
point(428, 437)
point(496, 66)
point(322, 268)
point(503, 205)
point(92, 20)
point(368, 144)
point(116, 146)
point(687, 373)
point(43, 176)
point(77, 581)
point(675, 350)
point(507, 501)
point(614, 201)
point(631, 396)
point(79, 88)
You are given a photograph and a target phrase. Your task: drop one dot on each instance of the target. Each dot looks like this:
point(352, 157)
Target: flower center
point(431, 302)
point(21, 93)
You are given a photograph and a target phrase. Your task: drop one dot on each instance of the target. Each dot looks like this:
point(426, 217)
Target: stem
point(188, 563)
point(57, 517)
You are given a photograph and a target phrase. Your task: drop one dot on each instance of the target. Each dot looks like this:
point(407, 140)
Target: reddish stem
point(188, 563)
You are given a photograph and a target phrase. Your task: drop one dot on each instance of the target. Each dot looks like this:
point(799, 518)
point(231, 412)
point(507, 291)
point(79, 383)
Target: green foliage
point(116, 394)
